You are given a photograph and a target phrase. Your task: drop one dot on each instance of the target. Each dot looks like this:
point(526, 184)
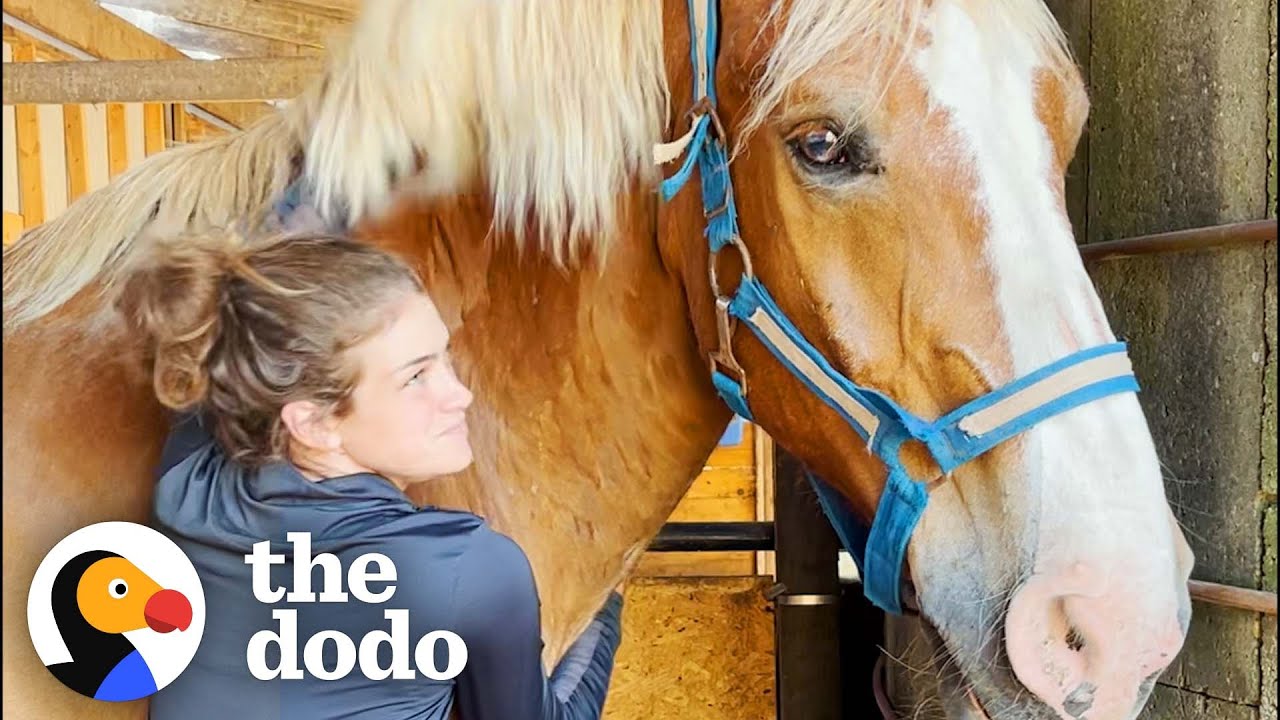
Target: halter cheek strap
point(952, 440)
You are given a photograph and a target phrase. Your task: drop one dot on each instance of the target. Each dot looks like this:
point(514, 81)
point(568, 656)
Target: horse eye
point(819, 148)
point(118, 588)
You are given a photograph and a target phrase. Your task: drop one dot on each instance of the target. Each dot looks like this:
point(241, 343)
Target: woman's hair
point(240, 332)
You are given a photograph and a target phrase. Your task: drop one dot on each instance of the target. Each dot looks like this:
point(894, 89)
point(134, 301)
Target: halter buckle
point(704, 106)
point(722, 356)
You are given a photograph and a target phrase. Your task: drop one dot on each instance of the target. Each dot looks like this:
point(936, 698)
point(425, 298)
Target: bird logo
point(116, 611)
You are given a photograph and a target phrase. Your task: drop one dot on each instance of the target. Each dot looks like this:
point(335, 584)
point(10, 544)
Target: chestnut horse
point(899, 174)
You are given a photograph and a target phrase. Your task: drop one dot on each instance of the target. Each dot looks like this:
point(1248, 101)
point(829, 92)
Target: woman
point(317, 376)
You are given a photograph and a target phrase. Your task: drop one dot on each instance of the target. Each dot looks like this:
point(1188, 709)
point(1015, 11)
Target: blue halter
point(952, 440)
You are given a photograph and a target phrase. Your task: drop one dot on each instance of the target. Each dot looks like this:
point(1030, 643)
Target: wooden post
point(153, 133)
point(74, 140)
point(117, 140)
point(807, 621)
point(27, 129)
point(12, 227)
point(178, 123)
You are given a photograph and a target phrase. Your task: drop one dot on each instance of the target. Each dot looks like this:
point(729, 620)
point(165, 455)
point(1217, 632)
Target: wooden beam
point(27, 129)
point(337, 9)
point(159, 80)
point(267, 20)
point(74, 140)
point(92, 30)
point(213, 41)
point(153, 135)
point(12, 227)
point(117, 140)
point(178, 120)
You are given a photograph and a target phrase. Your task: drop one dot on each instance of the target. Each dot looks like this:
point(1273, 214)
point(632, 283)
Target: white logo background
point(168, 654)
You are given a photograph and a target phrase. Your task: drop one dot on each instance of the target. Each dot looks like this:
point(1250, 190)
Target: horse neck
point(593, 410)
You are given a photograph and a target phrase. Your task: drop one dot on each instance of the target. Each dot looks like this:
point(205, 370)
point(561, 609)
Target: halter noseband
point(952, 440)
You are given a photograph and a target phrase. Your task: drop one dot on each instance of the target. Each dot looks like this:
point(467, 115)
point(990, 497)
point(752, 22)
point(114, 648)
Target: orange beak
point(168, 610)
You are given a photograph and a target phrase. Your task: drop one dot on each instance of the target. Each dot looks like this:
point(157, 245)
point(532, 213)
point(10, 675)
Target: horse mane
point(553, 106)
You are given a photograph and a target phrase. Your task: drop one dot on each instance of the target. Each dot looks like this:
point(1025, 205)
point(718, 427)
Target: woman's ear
point(311, 426)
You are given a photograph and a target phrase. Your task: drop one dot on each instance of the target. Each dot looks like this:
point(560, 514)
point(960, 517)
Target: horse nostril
point(1075, 640)
point(1080, 700)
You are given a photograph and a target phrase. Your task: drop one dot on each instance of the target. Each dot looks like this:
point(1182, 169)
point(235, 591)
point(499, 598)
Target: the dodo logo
point(116, 611)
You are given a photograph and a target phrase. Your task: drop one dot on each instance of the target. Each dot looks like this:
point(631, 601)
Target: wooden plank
point(153, 128)
point(178, 122)
point(695, 564)
point(198, 130)
point(741, 454)
point(73, 139)
point(95, 142)
point(97, 32)
point(27, 129)
point(117, 141)
point(337, 9)
point(134, 133)
point(8, 144)
point(211, 41)
point(724, 483)
point(239, 79)
point(766, 560)
point(695, 509)
point(266, 20)
point(12, 227)
point(53, 160)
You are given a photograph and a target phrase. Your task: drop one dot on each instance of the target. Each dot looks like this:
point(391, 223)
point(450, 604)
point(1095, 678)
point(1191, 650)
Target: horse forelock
point(810, 33)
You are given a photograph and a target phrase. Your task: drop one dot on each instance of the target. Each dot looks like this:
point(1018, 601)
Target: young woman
point(315, 385)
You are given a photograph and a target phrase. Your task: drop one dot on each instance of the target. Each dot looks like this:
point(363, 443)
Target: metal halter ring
point(747, 269)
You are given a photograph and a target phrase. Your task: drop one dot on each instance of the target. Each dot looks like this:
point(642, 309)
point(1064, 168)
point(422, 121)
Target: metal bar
point(1215, 236)
point(713, 536)
point(1259, 601)
point(810, 684)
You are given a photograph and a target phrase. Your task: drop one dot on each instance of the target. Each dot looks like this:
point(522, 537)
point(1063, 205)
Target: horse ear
point(295, 212)
point(303, 220)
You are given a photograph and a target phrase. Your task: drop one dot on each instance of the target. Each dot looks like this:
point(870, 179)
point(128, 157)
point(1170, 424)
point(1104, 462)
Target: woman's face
point(408, 414)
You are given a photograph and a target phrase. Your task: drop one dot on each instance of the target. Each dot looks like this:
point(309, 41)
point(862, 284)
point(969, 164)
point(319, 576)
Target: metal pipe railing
point(1215, 236)
point(714, 536)
point(751, 536)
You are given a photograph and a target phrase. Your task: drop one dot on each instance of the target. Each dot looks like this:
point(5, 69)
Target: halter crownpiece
point(952, 440)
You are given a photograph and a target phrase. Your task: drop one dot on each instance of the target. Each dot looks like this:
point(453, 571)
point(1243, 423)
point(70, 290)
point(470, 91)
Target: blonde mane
point(552, 106)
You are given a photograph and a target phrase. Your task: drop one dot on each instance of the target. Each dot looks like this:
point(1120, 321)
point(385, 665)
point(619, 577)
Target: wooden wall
point(53, 154)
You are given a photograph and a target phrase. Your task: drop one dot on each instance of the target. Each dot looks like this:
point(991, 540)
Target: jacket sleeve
point(499, 621)
point(188, 432)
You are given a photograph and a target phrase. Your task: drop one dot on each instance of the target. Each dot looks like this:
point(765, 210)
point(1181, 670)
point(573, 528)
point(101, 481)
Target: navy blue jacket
point(453, 573)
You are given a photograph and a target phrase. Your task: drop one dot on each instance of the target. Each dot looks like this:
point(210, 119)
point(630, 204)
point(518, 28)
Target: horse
point(899, 170)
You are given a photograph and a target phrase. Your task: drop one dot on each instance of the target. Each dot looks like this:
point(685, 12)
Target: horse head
point(898, 176)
